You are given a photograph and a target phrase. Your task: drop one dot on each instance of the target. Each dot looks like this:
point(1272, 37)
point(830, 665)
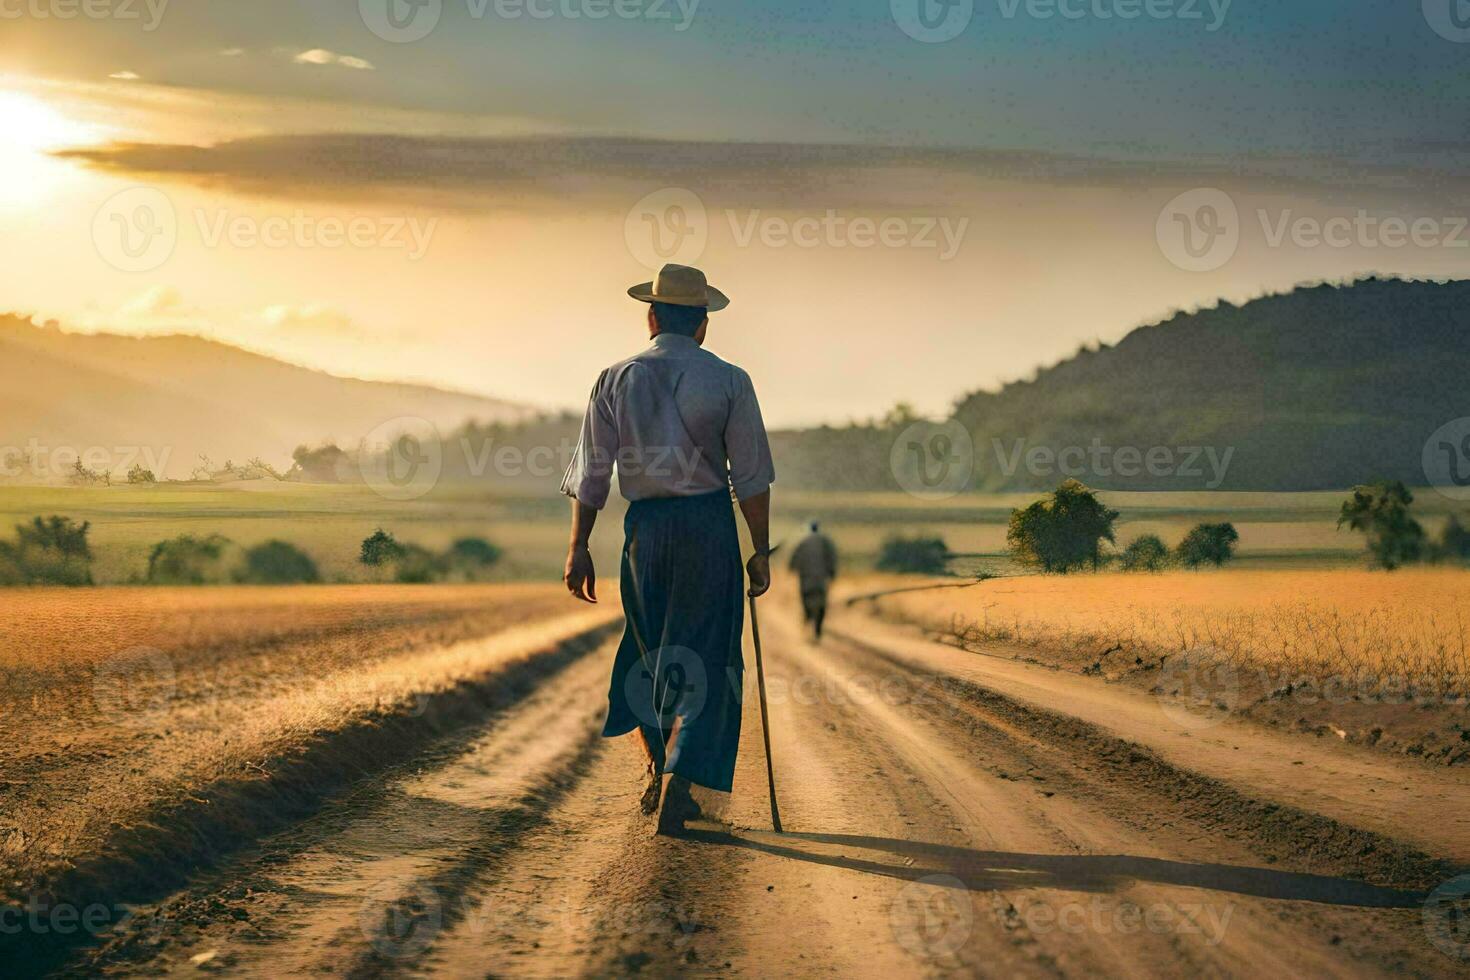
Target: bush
point(325, 464)
point(276, 563)
point(1145, 554)
point(1381, 511)
point(1062, 532)
point(1454, 541)
point(140, 474)
point(914, 556)
point(81, 476)
point(187, 560)
point(416, 565)
point(1208, 544)
point(469, 557)
point(49, 551)
point(379, 548)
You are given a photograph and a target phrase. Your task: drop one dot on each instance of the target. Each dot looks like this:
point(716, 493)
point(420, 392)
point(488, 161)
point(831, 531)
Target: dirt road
point(934, 827)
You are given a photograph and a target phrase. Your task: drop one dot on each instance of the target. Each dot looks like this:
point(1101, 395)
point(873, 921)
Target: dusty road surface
point(934, 826)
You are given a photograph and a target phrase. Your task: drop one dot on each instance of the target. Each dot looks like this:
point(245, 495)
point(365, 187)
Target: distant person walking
point(815, 563)
point(685, 432)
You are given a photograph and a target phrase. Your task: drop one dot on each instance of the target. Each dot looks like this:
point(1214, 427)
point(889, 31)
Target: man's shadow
point(987, 870)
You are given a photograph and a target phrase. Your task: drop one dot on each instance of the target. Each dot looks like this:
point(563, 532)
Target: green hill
point(1320, 388)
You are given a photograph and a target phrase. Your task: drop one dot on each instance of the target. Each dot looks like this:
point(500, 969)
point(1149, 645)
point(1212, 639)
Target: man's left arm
point(588, 481)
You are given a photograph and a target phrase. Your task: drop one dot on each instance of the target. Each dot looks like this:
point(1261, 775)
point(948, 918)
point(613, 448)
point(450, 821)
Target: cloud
point(125, 76)
point(321, 56)
point(469, 171)
point(157, 303)
point(311, 318)
point(231, 52)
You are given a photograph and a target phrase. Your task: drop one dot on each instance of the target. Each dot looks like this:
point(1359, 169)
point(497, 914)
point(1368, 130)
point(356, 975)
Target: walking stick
point(760, 680)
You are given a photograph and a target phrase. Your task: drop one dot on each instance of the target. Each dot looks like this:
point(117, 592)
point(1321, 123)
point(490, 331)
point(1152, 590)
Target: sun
point(29, 131)
point(29, 125)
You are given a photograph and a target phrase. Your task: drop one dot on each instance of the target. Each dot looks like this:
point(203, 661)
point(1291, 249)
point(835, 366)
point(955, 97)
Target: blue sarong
point(683, 587)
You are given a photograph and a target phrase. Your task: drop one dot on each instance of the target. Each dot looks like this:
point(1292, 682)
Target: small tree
point(470, 557)
point(1381, 511)
point(276, 563)
point(1147, 553)
point(417, 565)
point(138, 473)
point(1208, 544)
point(1063, 531)
point(380, 548)
point(187, 560)
point(84, 477)
point(1454, 541)
point(914, 556)
point(47, 551)
point(326, 464)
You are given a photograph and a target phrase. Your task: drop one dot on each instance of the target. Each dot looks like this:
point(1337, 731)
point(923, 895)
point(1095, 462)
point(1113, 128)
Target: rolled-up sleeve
point(589, 477)
point(751, 470)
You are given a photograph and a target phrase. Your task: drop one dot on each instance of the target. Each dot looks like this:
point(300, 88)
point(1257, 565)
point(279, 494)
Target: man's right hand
point(580, 576)
point(759, 570)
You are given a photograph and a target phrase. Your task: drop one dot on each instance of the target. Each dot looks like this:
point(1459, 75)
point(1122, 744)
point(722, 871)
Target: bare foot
point(649, 803)
point(679, 807)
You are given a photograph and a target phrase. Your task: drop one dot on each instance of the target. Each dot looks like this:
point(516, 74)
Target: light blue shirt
point(677, 421)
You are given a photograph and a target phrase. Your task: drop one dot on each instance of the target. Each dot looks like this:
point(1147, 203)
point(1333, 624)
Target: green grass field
point(329, 522)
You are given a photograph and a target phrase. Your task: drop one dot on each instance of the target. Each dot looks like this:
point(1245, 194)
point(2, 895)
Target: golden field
point(119, 701)
point(1371, 630)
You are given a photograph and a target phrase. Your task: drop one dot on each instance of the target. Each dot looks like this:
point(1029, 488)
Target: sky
point(906, 200)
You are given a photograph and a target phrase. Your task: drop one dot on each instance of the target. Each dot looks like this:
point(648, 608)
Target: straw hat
point(680, 285)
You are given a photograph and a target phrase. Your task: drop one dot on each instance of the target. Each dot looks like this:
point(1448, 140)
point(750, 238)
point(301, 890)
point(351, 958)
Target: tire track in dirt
point(1126, 831)
point(364, 887)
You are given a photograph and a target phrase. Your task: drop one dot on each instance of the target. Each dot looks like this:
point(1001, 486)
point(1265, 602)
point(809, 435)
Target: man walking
point(685, 432)
point(815, 563)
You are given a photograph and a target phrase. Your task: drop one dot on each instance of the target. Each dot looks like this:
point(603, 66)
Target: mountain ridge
point(180, 396)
